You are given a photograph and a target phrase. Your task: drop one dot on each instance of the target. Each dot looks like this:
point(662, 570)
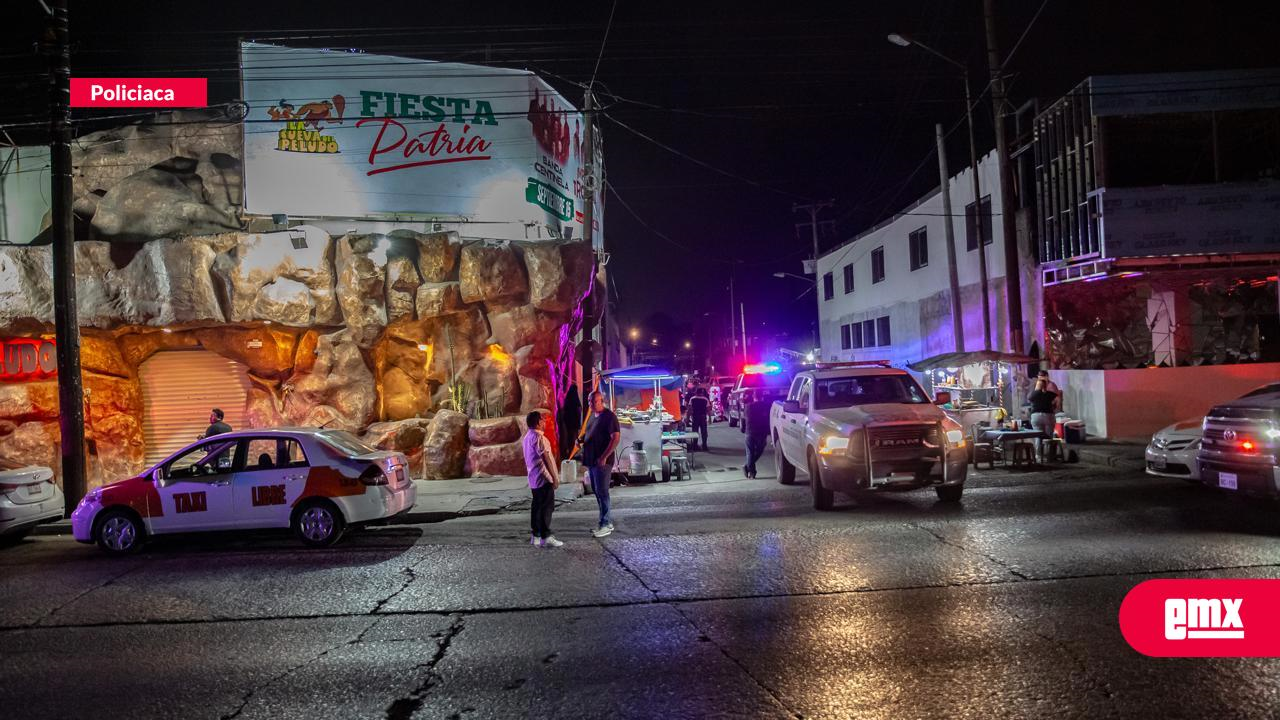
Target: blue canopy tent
point(641, 378)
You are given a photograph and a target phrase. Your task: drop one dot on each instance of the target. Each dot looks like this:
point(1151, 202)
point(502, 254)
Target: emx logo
point(1202, 618)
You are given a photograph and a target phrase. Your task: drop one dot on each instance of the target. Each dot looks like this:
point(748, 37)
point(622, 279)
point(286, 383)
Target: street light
point(791, 275)
point(688, 345)
point(907, 41)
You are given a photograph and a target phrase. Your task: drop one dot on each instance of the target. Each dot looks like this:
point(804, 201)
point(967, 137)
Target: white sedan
point(28, 497)
point(317, 482)
point(1172, 450)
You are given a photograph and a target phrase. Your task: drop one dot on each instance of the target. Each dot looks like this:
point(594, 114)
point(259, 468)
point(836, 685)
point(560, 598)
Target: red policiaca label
point(1203, 618)
point(139, 92)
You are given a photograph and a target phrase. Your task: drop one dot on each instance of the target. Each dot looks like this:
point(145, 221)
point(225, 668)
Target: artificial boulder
point(26, 285)
point(338, 389)
point(160, 202)
point(505, 459)
point(497, 385)
point(138, 346)
point(444, 453)
point(303, 254)
point(97, 295)
point(559, 274)
point(285, 301)
point(438, 299)
point(494, 431)
point(168, 282)
point(402, 396)
point(29, 401)
point(361, 263)
point(490, 272)
point(263, 409)
point(527, 325)
point(437, 254)
point(403, 436)
point(267, 352)
point(30, 443)
point(402, 288)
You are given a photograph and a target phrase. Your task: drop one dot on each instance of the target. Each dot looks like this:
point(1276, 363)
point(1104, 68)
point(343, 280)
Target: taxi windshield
point(345, 442)
point(846, 392)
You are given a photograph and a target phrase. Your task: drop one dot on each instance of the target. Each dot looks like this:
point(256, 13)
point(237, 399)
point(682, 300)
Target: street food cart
point(984, 385)
point(651, 445)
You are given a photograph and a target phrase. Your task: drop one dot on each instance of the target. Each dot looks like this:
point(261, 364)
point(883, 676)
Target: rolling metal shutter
point(179, 387)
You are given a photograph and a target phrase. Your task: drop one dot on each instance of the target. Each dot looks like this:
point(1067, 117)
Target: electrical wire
point(600, 56)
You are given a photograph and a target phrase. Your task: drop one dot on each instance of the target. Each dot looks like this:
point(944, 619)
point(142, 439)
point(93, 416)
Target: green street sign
point(549, 199)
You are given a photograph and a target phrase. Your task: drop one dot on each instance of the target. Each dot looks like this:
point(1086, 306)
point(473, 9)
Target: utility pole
point(588, 219)
point(813, 209)
point(742, 317)
point(953, 273)
point(979, 222)
point(733, 309)
point(1012, 276)
point(66, 324)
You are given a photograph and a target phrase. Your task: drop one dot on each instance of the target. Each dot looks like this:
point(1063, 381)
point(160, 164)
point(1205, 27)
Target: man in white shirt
point(543, 481)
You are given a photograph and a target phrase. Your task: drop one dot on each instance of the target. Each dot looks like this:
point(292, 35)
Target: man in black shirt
point(756, 426)
point(699, 408)
point(216, 426)
point(598, 444)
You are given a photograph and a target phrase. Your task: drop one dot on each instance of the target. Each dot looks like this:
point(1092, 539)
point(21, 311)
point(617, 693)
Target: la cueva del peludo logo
point(304, 123)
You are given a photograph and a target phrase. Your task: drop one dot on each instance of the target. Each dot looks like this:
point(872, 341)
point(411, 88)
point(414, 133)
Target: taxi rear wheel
point(318, 524)
point(119, 532)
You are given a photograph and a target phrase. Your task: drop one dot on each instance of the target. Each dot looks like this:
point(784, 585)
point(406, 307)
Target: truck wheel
point(949, 493)
point(666, 469)
point(823, 498)
point(786, 471)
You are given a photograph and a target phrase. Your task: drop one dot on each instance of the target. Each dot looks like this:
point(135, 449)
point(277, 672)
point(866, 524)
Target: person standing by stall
point(756, 420)
point(1042, 402)
point(699, 409)
point(598, 444)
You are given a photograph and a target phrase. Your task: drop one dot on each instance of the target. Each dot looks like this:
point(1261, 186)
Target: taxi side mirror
point(157, 475)
point(791, 406)
point(942, 398)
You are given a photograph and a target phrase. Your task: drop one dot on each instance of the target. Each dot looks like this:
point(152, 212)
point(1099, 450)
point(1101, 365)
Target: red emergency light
point(768, 368)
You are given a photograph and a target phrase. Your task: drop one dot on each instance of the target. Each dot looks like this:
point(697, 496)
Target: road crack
point(703, 635)
point(82, 594)
point(410, 573)
point(965, 548)
point(244, 699)
point(404, 708)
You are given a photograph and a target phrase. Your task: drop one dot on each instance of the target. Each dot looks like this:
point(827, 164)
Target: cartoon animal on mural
point(312, 113)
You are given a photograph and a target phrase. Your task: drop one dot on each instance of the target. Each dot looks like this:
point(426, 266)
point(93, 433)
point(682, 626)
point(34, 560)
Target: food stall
point(985, 385)
point(651, 443)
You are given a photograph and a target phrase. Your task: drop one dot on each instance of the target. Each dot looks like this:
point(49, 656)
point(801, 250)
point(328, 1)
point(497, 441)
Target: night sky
point(791, 101)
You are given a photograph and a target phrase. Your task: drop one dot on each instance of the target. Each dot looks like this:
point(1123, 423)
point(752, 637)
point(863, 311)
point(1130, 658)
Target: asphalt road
point(721, 598)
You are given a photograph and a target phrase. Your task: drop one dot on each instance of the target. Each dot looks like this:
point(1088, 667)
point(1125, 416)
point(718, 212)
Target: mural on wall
point(427, 343)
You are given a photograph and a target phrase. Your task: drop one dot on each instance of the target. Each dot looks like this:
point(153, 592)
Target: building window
point(882, 331)
point(877, 265)
point(848, 278)
point(919, 242)
point(845, 340)
point(868, 333)
point(971, 222)
point(828, 286)
point(855, 331)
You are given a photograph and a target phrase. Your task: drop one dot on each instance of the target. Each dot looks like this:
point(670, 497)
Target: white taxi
point(317, 482)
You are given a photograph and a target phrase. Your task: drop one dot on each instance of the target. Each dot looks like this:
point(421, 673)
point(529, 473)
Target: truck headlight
point(831, 444)
point(955, 438)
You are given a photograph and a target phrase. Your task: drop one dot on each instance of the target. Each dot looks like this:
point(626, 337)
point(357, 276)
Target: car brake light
point(5, 487)
point(373, 476)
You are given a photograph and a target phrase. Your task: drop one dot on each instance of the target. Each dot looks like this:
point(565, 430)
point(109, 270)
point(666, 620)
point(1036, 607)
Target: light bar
point(768, 368)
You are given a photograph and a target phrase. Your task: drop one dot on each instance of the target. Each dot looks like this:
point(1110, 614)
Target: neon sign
point(27, 359)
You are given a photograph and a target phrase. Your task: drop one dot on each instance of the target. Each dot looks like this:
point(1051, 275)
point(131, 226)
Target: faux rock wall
point(362, 332)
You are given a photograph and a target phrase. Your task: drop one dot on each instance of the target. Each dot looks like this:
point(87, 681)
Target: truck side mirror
point(791, 406)
point(942, 398)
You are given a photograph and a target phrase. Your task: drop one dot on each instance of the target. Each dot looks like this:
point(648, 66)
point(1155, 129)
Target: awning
point(642, 377)
point(959, 359)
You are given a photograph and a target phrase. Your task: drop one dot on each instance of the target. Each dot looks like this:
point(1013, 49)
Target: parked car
point(1172, 450)
point(720, 387)
point(765, 381)
point(317, 482)
point(858, 427)
point(1240, 446)
point(28, 497)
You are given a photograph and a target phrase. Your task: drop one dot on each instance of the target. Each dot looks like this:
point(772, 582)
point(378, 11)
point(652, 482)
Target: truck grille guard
point(924, 431)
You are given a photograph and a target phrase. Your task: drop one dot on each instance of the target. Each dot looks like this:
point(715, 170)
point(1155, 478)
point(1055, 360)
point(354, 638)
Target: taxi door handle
point(295, 477)
point(222, 483)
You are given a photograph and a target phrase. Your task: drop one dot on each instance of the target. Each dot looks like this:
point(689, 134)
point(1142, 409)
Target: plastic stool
point(1024, 452)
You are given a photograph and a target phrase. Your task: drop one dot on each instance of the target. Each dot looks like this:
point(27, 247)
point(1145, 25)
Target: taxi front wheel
point(119, 532)
point(318, 524)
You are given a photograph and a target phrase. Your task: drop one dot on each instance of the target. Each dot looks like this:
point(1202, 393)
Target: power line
point(605, 40)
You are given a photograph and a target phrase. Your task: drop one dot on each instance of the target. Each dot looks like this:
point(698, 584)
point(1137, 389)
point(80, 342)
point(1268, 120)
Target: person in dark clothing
point(756, 426)
point(216, 426)
point(569, 420)
point(598, 443)
point(699, 409)
point(1043, 401)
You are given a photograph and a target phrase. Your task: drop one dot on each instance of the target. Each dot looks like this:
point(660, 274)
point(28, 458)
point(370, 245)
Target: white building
point(885, 294)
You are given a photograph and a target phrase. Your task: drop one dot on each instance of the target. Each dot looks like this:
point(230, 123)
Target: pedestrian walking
point(216, 425)
point(699, 409)
point(756, 419)
point(543, 481)
point(599, 442)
